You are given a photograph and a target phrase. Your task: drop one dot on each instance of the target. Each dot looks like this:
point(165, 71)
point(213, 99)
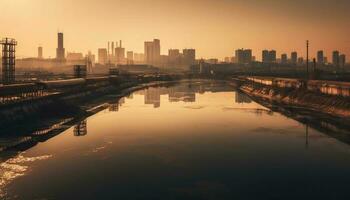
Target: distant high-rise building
point(229, 59)
point(265, 56)
point(91, 57)
point(149, 52)
point(102, 56)
point(60, 51)
point(269, 56)
point(284, 58)
point(335, 58)
point(272, 56)
point(174, 56)
point(119, 53)
point(189, 56)
point(72, 56)
point(300, 60)
point(294, 58)
point(320, 57)
point(156, 44)
point(342, 60)
point(325, 60)
point(139, 57)
point(40, 52)
point(130, 57)
point(152, 52)
point(244, 56)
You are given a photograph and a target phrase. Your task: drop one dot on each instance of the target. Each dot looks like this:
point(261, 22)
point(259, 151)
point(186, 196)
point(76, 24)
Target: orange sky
point(214, 27)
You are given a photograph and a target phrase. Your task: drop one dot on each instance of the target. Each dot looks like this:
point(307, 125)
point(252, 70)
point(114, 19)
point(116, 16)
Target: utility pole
point(314, 70)
point(307, 59)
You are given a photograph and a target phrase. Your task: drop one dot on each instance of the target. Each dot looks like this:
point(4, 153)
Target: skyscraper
point(102, 56)
point(335, 58)
point(294, 57)
point(156, 44)
point(272, 56)
point(244, 56)
point(174, 56)
point(149, 52)
point(152, 52)
point(189, 56)
point(130, 57)
point(284, 58)
point(40, 52)
point(60, 51)
point(320, 57)
point(342, 60)
point(265, 56)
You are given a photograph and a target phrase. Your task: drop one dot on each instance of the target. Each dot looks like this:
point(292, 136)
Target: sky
point(215, 28)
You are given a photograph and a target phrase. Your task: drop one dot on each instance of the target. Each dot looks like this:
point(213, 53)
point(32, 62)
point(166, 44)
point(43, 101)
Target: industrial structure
point(8, 60)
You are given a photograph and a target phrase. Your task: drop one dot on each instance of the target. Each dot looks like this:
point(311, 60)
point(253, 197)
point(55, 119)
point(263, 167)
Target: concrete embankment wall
point(319, 96)
point(334, 88)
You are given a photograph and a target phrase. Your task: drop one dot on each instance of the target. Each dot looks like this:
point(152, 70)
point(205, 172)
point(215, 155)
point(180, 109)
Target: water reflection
point(80, 129)
point(114, 106)
point(15, 167)
point(182, 142)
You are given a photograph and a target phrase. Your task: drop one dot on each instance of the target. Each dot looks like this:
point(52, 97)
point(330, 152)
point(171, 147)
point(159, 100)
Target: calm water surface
point(189, 141)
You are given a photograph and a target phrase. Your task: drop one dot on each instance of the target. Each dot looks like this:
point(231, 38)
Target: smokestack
point(120, 43)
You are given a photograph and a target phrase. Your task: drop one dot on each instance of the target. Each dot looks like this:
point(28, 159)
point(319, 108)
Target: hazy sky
point(214, 27)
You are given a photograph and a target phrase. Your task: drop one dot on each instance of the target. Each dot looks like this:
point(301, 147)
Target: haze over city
point(215, 28)
point(175, 99)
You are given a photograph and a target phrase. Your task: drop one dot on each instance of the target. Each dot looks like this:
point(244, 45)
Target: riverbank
point(326, 113)
point(319, 103)
point(44, 113)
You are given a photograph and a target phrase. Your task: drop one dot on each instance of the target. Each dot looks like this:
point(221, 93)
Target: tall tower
point(294, 57)
point(40, 52)
point(60, 51)
point(8, 60)
point(335, 58)
point(156, 48)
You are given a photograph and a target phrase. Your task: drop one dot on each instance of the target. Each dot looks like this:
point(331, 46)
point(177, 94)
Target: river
point(199, 140)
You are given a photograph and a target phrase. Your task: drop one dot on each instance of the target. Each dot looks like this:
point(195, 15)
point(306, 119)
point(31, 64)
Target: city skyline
point(229, 25)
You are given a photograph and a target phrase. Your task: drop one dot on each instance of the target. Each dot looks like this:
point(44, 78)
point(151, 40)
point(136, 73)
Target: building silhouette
point(269, 56)
point(60, 51)
point(174, 56)
point(130, 57)
point(189, 56)
point(273, 56)
point(40, 52)
point(152, 52)
point(102, 56)
point(244, 56)
point(119, 54)
point(294, 58)
point(320, 57)
point(265, 56)
point(284, 58)
point(335, 58)
point(342, 60)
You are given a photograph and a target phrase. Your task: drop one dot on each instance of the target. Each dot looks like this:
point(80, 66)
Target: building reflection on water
point(181, 92)
point(114, 107)
point(80, 129)
point(12, 146)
